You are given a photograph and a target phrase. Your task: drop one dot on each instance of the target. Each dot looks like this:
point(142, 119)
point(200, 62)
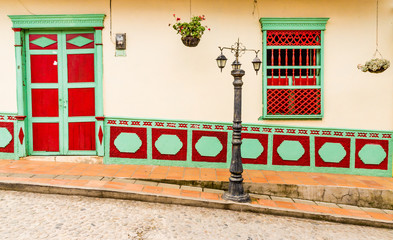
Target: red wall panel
point(181, 134)
point(263, 139)
point(304, 160)
point(10, 127)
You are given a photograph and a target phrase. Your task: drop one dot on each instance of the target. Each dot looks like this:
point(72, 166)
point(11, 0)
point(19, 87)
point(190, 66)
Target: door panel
point(81, 102)
point(46, 137)
point(81, 136)
point(43, 41)
point(44, 69)
point(80, 67)
point(46, 102)
point(80, 41)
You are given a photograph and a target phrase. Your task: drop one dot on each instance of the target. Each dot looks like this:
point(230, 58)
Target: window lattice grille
point(294, 101)
point(293, 38)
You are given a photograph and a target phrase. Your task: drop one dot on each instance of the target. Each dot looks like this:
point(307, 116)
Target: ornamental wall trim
point(293, 23)
point(57, 21)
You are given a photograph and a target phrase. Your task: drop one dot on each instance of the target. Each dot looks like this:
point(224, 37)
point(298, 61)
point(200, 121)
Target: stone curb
point(361, 197)
point(217, 204)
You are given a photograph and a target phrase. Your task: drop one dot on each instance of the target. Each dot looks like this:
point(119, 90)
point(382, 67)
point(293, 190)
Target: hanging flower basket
point(190, 41)
point(191, 32)
point(376, 65)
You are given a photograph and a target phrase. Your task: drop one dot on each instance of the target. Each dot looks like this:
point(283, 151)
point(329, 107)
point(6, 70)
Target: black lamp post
point(236, 190)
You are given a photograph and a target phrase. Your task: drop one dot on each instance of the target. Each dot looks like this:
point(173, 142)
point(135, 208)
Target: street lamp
point(236, 190)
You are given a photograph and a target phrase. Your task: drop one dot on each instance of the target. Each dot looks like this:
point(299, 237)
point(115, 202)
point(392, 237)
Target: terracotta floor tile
point(380, 216)
point(95, 183)
point(115, 185)
point(210, 196)
point(171, 191)
point(158, 176)
point(127, 171)
point(258, 180)
point(192, 174)
point(188, 193)
point(268, 203)
point(371, 183)
point(307, 181)
point(322, 209)
point(281, 204)
point(152, 189)
point(290, 180)
point(222, 172)
point(94, 170)
point(143, 171)
point(41, 180)
point(223, 178)
point(358, 184)
point(270, 173)
point(357, 213)
point(160, 170)
point(304, 207)
point(77, 182)
point(59, 181)
point(254, 173)
point(274, 179)
point(133, 187)
point(341, 211)
point(208, 174)
point(109, 172)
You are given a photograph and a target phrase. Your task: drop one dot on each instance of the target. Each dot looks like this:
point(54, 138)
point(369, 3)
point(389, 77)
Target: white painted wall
point(161, 78)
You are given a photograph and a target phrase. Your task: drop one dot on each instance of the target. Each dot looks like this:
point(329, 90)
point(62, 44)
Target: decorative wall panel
point(208, 144)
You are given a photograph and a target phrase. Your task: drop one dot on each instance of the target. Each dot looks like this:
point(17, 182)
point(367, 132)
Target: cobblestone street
point(40, 216)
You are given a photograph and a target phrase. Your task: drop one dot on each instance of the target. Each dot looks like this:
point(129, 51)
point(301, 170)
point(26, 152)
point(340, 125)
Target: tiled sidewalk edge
point(187, 201)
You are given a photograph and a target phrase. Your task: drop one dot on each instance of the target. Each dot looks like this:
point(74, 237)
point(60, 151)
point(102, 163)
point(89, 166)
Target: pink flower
point(177, 19)
point(208, 29)
point(174, 14)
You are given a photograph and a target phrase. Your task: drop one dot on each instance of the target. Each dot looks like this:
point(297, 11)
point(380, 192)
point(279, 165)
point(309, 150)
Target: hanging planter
point(191, 32)
point(190, 41)
point(376, 64)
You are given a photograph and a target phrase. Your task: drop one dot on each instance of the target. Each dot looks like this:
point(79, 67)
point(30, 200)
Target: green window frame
point(293, 67)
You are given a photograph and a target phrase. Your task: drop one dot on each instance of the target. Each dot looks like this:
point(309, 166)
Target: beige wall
point(160, 78)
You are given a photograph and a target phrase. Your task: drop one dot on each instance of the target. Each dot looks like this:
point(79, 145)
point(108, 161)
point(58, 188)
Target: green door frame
point(23, 23)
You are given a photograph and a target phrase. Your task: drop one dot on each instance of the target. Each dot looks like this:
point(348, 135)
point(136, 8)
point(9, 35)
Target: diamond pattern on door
point(78, 41)
point(43, 41)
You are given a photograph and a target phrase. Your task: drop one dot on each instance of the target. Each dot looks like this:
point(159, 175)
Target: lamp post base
point(239, 198)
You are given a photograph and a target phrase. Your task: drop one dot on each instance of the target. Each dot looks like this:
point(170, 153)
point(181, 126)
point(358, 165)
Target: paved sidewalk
point(146, 183)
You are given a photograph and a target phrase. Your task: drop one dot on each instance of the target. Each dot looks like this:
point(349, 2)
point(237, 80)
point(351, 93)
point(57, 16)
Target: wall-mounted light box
point(120, 45)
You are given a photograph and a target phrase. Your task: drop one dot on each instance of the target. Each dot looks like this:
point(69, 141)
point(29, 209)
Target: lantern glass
point(221, 61)
point(236, 65)
point(257, 64)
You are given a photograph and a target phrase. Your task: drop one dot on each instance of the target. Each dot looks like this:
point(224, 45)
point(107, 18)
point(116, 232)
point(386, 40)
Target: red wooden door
point(61, 93)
